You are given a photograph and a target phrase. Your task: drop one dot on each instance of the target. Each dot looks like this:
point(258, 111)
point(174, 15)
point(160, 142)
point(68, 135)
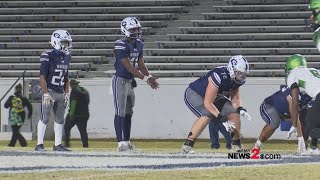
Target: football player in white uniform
point(307, 81)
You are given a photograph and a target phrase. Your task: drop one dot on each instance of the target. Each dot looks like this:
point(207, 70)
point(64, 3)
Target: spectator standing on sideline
point(78, 113)
point(16, 104)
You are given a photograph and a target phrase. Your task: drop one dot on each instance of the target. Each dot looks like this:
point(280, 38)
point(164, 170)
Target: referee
point(78, 113)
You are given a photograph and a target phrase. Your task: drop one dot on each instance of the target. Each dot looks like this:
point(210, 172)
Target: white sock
point(301, 138)
point(258, 143)
point(41, 131)
point(57, 133)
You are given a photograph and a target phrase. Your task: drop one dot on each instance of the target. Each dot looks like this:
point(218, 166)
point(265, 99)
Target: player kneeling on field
point(216, 96)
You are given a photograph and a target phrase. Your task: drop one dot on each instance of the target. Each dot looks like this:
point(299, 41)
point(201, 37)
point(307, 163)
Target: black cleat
point(40, 148)
point(60, 148)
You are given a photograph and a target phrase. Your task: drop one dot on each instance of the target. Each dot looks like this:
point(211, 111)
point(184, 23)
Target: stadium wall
point(162, 113)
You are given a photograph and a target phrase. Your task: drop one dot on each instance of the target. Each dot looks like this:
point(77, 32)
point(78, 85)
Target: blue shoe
point(229, 146)
point(216, 146)
point(60, 148)
point(39, 147)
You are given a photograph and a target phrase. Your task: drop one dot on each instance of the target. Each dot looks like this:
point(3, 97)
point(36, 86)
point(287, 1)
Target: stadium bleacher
point(26, 27)
point(183, 38)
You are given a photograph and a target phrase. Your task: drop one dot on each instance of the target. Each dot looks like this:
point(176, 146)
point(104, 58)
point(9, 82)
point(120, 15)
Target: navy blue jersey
point(279, 100)
point(220, 78)
point(124, 49)
point(55, 65)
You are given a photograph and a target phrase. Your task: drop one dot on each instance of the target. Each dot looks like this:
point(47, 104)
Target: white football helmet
point(61, 41)
point(238, 68)
point(131, 27)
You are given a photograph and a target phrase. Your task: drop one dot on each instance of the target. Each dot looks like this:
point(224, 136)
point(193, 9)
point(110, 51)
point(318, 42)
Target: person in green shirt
point(78, 113)
point(16, 104)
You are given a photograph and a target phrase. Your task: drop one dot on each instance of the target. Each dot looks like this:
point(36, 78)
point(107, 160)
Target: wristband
point(240, 108)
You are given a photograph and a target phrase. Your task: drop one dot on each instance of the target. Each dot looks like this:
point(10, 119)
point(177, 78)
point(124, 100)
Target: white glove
point(229, 126)
point(301, 146)
point(66, 100)
point(246, 115)
point(243, 112)
point(47, 100)
point(292, 130)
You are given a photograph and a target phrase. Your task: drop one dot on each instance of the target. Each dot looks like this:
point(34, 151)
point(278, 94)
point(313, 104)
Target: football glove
point(226, 123)
point(243, 112)
point(229, 126)
point(292, 130)
point(47, 100)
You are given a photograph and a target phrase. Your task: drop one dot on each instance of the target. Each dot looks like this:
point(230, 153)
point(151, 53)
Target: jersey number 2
point(59, 79)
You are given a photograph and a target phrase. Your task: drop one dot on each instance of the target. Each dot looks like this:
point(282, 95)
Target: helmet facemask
point(135, 32)
point(239, 77)
point(66, 46)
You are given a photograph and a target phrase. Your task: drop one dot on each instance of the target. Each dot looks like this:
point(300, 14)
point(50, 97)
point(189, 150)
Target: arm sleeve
point(215, 79)
point(44, 64)
point(120, 50)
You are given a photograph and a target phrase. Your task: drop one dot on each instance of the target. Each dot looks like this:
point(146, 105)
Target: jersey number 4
point(134, 61)
point(58, 80)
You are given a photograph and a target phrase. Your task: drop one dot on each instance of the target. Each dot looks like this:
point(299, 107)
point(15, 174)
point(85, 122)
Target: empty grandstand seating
point(182, 37)
point(264, 31)
point(26, 27)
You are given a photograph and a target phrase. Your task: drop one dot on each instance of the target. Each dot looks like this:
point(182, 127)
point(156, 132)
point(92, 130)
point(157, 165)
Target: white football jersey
point(308, 80)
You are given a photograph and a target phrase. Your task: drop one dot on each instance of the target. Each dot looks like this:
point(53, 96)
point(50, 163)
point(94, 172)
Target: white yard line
point(27, 161)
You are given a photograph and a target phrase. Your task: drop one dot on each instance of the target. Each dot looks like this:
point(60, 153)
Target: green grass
point(293, 171)
point(163, 145)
